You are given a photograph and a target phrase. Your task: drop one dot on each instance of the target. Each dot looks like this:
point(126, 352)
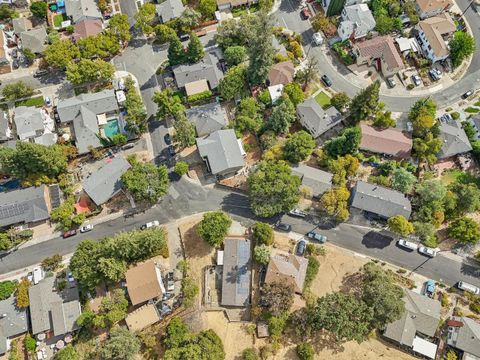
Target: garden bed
point(34, 101)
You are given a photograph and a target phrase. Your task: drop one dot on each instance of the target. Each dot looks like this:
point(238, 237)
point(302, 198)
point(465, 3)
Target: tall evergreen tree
point(364, 105)
point(176, 52)
point(195, 50)
point(260, 50)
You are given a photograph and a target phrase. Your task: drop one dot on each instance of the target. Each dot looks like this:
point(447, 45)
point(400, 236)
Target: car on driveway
point(301, 247)
point(168, 139)
point(416, 80)
point(305, 13)
point(391, 82)
point(150, 224)
point(317, 237)
point(69, 233)
point(283, 227)
point(86, 228)
point(427, 251)
point(407, 244)
point(297, 213)
point(317, 38)
point(446, 117)
point(326, 80)
point(467, 94)
point(429, 288)
point(435, 74)
point(171, 150)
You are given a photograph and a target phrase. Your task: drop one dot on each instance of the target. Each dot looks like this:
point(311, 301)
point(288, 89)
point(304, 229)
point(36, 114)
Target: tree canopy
point(61, 53)
point(400, 225)
point(144, 18)
point(261, 254)
point(277, 297)
point(299, 146)
point(262, 233)
point(364, 105)
point(235, 55)
point(403, 180)
point(335, 203)
point(146, 181)
point(283, 115)
point(119, 27)
point(214, 227)
point(464, 230)
point(16, 90)
point(86, 70)
point(233, 83)
point(347, 143)
point(121, 345)
point(39, 9)
point(461, 46)
point(260, 49)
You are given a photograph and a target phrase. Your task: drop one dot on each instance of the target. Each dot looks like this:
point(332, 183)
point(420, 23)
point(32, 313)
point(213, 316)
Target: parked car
point(305, 13)
point(128, 146)
point(297, 212)
point(70, 277)
point(171, 150)
point(429, 289)
point(14, 53)
point(56, 117)
point(317, 237)
point(69, 233)
point(167, 138)
point(150, 224)
point(86, 228)
point(435, 74)
point(446, 117)
point(391, 82)
point(301, 247)
point(317, 38)
point(48, 101)
point(427, 251)
point(40, 73)
point(326, 80)
point(15, 65)
point(170, 281)
point(467, 94)
point(283, 227)
point(468, 287)
point(407, 244)
point(416, 80)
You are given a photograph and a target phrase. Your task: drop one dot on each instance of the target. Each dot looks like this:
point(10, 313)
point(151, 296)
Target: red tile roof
point(389, 141)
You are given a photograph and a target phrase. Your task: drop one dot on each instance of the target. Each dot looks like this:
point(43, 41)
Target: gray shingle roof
point(454, 139)
point(34, 39)
point(28, 121)
point(222, 151)
point(207, 118)
point(467, 337)
point(315, 119)
point(83, 111)
point(357, 18)
point(318, 180)
point(103, 184)
point(82, 9)
point(21, 24)
point(13, 321)
point(170, 9)
point(46, 139)
point(380, 200)
point(208, 68)
point(422, 315)
point(23, 206)
point(52, 310)
point(236, 273)
point(4, 127)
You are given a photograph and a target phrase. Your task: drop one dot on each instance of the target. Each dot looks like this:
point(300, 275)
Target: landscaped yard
point(58, 19)
point(239, 11)
point(323, 99)
point(34, 101)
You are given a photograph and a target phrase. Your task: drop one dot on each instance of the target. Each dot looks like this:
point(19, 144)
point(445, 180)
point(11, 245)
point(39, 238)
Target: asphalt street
point(185, 199)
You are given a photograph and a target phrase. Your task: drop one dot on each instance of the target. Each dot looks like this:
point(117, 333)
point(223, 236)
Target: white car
point(297, 212)
point(48, 101)
point(150, 224)
point(70, 277)
point(427, 251)
point(86, 228)
point(318, 38)
point(407, 244)
point(416, 80)
point(468, 287)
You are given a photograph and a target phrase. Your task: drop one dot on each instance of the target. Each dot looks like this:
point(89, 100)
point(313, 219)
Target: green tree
point(119, 27)
point(5, 242)
point(184, 131)
point(39, 9)
point(305, 351)
point(214, 227)
point(424, 230)
point(426, 149)
point(342, 168)
point(176, 333)
point(83, 263)
point(29, 55)
point(121, 345)
point(146, 181)
point(195, 51)
point(260, 49)
point(181, 168)
point(277, 297)
point(261, 253)
point(233, 84)
point(273, 188)
point(250, 354)
point(165, 34)
point(102, 46)
point(451, 355)
point(364, 105)
point(23, 300)
point(235, 55)
point(176, 52)
point(347, 143)
point(29, 343)
point(64, 214)
point(467, 198)
point(283, 115)
point(234, 32)
point(299, 146)
point(462, 45)
point(7, 12)
point(422, 116)
point(188, 20)
point(16, 90)
point(89, 71)
point(167, 103)
point(7, 288)
point(335, 203)
point(51, 263)
point(340, 101)
point(144, 18)
point(464, 230)
point(111, 269)
point(207, 8)
point(308, 74)
point(399, 225)
point(67, 353)
point(189, 290)
point(262, 233)
point(383, 120)
point(294, 93)
point(61, 53)
point(403, 180)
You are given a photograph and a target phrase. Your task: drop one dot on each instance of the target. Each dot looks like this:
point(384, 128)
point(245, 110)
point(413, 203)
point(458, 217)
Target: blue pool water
point(111, 128)
point(10, 185)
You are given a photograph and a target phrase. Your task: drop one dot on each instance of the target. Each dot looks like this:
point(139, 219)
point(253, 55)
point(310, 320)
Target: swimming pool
point(10, 185)
point(111, 128)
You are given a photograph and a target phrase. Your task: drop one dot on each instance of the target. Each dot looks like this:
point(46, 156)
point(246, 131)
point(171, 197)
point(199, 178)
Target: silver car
point(407, 244)
point(427, 251)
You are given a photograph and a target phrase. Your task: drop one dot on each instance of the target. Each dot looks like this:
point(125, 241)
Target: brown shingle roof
point(287, 269)
point(434, 28)
point(87, 28)
point(433, 5)
point(142, 317)
point(389, 141)
point(144, 282)
point(381, 47)
point(281, 73)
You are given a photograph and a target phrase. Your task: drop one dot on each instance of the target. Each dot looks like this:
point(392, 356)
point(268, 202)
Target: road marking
point(284, 22)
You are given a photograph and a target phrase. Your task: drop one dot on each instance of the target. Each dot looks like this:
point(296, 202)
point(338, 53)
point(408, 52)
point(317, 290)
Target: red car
point(305, 13)
point(69, 233)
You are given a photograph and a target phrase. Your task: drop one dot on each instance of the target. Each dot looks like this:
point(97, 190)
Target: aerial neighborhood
point(239, 179)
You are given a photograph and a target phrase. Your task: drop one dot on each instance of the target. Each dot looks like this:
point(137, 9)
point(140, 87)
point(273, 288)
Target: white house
point(357, 22)
point(431, 35)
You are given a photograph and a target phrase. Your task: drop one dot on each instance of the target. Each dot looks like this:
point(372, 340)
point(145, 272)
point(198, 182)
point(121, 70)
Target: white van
point(468, 287)
point(318, 38)
point(37, 275)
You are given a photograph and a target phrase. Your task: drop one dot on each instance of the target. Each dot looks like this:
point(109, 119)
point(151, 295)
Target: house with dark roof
point(281, 73)
point(222, 152)
point(13, 322)
point(464, 335)
point(454, 139)
point(288, 269)
point(432, 35)
point(236, 274)
point(381, 53)
point(105, 183)
point(417, 325)
point(86, 28)
point(318, 181)
point(144, 282)
point(78, 10)
point(53, 311)
point(429, 8)
point(89, 114)
point(379, 200)
point(315, 119)
point(391, 141)
point(169, 9)
point(207, 118)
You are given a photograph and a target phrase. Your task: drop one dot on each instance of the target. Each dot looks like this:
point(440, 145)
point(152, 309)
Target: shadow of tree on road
point(377, 240)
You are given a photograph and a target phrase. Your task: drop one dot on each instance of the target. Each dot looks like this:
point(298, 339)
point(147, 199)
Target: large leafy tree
point(260, 49)
point(261, 254)
point(184, 131)
point(342, 168)
point(400, 225)
point(136, 113)
point(403, 180)
point(121, 345)
point(273, 188)
point(277, 297)
point(262, 233)
point(335, 203)
point(235, 55)
point(234, 32)
point(207, 8)
point(188, 20)
point(167, 104)
point(89, 71)
point(464, 230)
point(61, 53)
point(144, 18)
point(347, 143)
point(294, 93)
point(233, 84)
point(165, 33)
point(364, 105)
point(299, 146)
point(176, 52)
point(214, 227)
point(340, 101)
point(427, 148)
point(39, 9)
point(195, 51)
point(461, 46)
point(467, 198)
point(283, 115)
point(422, 116)
point(103, 45)
point(16, 90)
point(146, 181)
point(83, 263)
point(119, 27)
point(308, 74)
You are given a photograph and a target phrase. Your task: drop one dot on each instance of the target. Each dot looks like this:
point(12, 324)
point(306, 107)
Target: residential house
point(275, 92)
point(318, 181)
point(78, 10)
point(142, 317)
point(144, 282)
point(464, 335)
point(29, 37)
point(454, 139)
point(86, 28)
point(286, 269)
point(334, 7)
point(357, 22)
point(429, 8)
point(407, 45)
point(169, 10)
point(89, 114)
point(315, 119)
point(279, 47)
point(379, 200)
point(29, 205)
point(13, 322)
point(222, 152)
point(418, 323)
point(5, 131)
point(228, 4)
point(35, 125)
point(130, 8)
point(392, 142)
point(53, 311)
point(4, 60)
point(105, 183)
point(281, 73)
point(236, 275)
point(207, 118)
point(206, 74)
point(381, 53)
point(432, 33)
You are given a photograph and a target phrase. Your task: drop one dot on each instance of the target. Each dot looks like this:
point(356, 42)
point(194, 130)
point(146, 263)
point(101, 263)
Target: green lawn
point(58, 19)
point(35, 101)
point(451, 176)
point(239, 11)
point(477, 103)
point(323, 100)
point(472, 110)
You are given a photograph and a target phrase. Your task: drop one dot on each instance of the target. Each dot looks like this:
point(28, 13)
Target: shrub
point(200, 96)
point(263, 233)
point(455, 115)
point(214, 227)
point(312, 271)
point(181, 168)
point(250, 354)
point(7, 288)
point(431, 242)
point(305, 351)
point(410, 86)
point(29, 343)
point(445, 300)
